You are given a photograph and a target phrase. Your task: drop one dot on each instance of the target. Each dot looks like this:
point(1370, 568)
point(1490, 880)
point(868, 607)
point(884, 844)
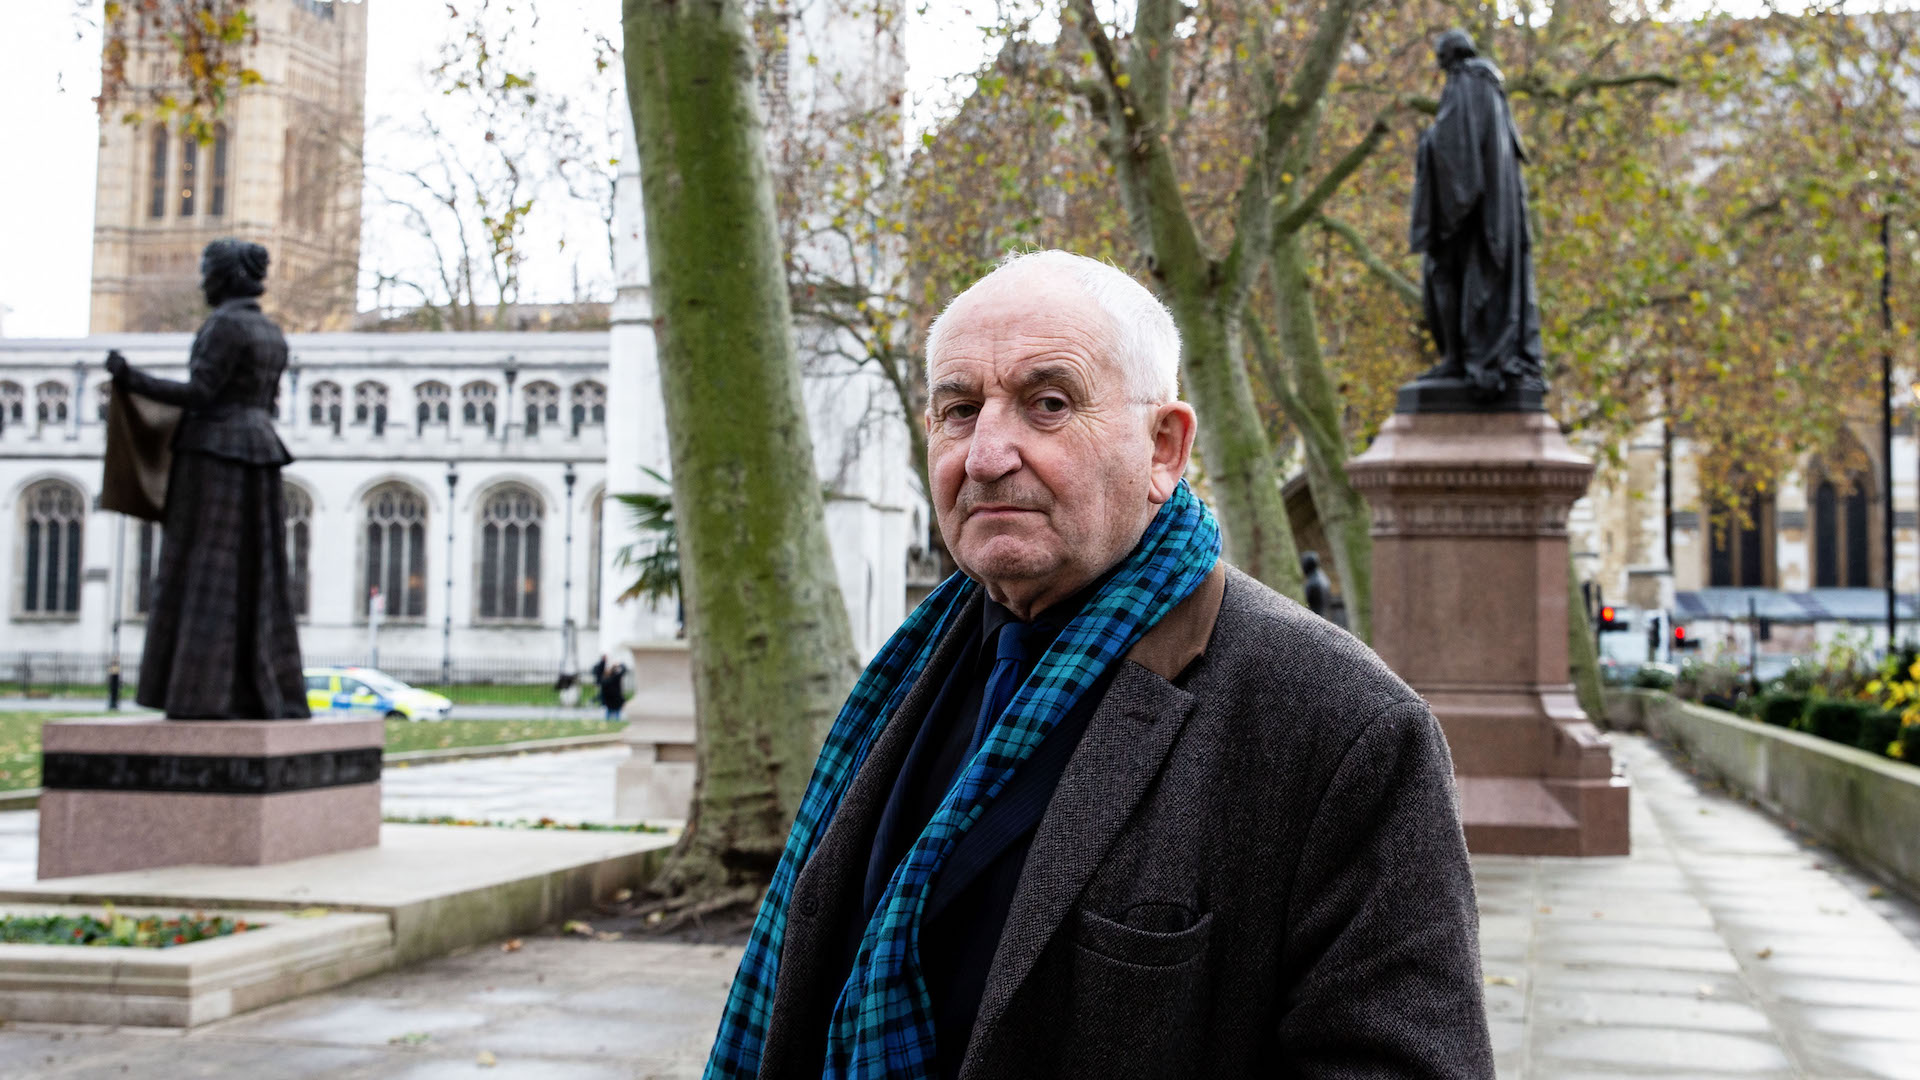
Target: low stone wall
point(1863, 805)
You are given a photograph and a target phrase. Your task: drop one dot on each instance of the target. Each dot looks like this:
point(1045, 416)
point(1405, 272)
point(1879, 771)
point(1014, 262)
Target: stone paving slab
point(1723, 947)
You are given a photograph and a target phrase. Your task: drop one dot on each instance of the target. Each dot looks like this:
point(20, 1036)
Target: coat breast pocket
point(1138, 999)
point(1151, 935)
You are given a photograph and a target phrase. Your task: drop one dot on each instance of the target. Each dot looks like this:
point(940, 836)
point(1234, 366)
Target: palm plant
point(655, 556)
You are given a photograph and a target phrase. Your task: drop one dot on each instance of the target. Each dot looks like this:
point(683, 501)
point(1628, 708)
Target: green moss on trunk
point(772, 654)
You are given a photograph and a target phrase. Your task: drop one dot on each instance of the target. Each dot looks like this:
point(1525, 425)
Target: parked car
point(370, 692)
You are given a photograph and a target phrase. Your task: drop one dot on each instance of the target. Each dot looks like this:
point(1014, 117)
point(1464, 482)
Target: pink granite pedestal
point(136, 793)
point(1470, 607)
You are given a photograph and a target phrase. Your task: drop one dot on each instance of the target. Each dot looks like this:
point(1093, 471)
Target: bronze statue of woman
point(221, 642)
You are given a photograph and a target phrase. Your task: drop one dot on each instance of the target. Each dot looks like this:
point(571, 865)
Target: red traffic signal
point(1681, 640)
point(1609, 619)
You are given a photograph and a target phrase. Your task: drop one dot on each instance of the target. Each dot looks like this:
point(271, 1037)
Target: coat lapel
point(1126, 742)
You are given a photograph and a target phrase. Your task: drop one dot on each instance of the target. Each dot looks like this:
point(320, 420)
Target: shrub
point(1781, 709)
point(1718, 683)
point(1653, 678)
point(1840, 721)
point(1910, 743)
point(1879, 730)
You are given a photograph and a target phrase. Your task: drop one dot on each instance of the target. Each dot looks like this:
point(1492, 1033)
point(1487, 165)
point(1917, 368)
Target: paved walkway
point(1723, 947)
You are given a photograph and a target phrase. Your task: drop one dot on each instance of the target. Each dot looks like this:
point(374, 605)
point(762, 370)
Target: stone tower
point(284, 170)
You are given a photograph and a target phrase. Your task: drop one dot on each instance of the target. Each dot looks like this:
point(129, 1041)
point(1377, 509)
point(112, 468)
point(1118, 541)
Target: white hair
point(1146, 341)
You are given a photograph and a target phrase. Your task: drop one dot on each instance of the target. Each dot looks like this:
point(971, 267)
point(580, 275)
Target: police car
point(368, 692)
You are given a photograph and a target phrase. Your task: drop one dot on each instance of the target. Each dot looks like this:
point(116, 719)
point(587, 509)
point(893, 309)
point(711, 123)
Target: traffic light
point(1681, 640)
point(1610, 621)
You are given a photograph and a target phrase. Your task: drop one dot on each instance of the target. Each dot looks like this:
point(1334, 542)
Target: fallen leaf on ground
point(512, 945)
point(1500, 980)
point(575, 926)
point(486, 1060)
point(1546, 910)
point(609, 935)
point(654, 917)
point(411, 1038)
point(622, 896)
point(1876, 893)
point(1764, 953)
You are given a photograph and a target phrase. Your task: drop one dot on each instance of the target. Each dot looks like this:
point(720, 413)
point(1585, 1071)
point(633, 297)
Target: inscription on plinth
point(132, 794)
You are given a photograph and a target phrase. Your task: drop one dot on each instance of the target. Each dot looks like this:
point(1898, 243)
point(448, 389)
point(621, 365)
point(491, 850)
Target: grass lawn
point(20, 738)
point(20, 747)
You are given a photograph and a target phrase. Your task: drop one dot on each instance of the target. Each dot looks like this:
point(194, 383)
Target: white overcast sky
point(50, 129)
point(46, 194)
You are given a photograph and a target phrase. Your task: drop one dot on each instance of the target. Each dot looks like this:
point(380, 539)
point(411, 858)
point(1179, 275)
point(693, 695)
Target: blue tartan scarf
point(882, 1024)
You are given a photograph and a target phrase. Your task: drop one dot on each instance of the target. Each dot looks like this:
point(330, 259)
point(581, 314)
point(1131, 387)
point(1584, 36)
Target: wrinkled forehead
point(1022, 320)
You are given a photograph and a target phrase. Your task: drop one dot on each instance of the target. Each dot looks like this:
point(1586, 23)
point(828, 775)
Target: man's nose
point(994, 450)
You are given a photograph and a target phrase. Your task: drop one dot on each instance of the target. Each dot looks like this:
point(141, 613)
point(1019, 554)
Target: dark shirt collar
point(1049, 622)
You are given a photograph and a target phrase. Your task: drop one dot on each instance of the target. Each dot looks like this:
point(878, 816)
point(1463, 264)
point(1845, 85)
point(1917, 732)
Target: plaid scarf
point(882, 1024)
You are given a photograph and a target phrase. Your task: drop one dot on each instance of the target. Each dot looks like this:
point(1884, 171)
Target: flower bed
point(111, 928)
point(1840, 697)
point(523, 823)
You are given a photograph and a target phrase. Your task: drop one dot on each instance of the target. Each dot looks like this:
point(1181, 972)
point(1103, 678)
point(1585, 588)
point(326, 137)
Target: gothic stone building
point(283, 169)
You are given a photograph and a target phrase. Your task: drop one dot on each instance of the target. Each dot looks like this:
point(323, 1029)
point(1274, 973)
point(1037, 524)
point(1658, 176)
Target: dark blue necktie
point(1009, 658)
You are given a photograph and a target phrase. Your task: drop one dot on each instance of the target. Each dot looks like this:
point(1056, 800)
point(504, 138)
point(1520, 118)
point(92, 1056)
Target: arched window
point(102, 397)
point(1741, 544)
point(217, 182)
point(396, 553)
point(157, 189)
point(589, 405)
point(13, 404)
point(189, 157)
point(510, 554)
point(477, 405)
point(543, 405)
point(370, 406)
point(146, 564)
point(50, 402)
point(434, 404)
point(1842, 538)
point(299, 545)
point(325, 408)
point(52, 516)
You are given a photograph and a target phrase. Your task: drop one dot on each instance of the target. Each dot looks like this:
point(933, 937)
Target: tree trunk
point(1583, 652)
point(1238, 461)
point(1313, 404)
point(772, 654)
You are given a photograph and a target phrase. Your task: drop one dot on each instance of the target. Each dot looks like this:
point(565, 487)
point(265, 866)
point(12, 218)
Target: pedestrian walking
point(613, 690)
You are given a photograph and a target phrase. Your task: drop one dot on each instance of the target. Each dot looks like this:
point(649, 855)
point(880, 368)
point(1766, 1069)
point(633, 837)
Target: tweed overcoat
point(1253, 865)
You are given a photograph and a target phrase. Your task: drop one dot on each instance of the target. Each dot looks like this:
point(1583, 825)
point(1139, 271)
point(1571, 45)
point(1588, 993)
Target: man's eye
point(1051, 405)
point(961, 411)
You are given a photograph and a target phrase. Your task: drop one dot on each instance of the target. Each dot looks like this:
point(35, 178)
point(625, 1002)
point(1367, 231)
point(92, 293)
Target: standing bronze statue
point(1470, 226)
point(221, 642)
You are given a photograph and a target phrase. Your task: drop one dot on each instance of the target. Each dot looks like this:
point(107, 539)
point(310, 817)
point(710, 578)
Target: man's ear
point(1172, 430)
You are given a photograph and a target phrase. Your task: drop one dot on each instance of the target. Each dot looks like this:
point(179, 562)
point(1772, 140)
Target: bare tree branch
point(1399, 282)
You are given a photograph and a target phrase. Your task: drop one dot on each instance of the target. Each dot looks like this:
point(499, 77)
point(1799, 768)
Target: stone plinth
point(1470, 607)
point(134, 793)
point(655, 783)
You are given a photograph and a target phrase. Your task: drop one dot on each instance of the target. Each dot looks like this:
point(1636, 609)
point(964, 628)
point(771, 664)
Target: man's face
point(1042, 460)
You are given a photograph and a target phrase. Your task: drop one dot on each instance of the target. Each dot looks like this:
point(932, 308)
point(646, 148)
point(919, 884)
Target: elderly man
point(1105, 807)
